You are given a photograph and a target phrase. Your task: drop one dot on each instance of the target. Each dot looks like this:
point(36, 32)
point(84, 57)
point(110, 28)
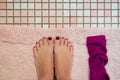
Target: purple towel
point(97, 57)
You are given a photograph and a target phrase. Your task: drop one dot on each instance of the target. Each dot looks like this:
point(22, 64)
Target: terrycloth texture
point(16, 55)
point(97, 57)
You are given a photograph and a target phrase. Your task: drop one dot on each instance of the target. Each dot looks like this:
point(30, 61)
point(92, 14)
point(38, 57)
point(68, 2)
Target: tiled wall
point(60, 13)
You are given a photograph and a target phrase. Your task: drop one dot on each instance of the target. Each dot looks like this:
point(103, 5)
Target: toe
point(41, 42)
point(50, 41)
point(62, 40)
point(71, 49)
point(34, 49)
point(37, 45)
point(69, 45)
point(66, 42)
point(45, 41)
point(57, 41)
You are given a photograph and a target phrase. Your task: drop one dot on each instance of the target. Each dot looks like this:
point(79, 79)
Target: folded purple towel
point(97, 57)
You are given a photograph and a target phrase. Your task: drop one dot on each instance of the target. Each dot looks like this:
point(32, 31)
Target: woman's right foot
point(63, 58)
point(43, 54)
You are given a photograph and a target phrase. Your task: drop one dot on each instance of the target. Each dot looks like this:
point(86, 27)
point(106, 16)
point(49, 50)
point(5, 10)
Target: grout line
point(70, 14)
point(57, 16)
point(97, 13)
point(104, 13)
point(51, 23)
point(64, 9)
point(27, 15)
point(6, 11)
point(83, 14)
point(63, 13)
point(41, 13)
point(118, 13)
point(49, 14)
point(90, 14)
point(77, 13)
point(56, 13)
point(62, 2)
point(13, 13)
point(20, 13)
point(34, 15)
point(111, 12)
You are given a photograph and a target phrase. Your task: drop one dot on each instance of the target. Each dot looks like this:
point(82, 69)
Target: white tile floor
point(61, 12)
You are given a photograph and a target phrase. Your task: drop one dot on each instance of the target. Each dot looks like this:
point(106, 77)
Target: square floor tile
point(9, 5)
point(10, 20)
point(24, 20)
point(38, 19)
point(24, 5)
point(2, 20)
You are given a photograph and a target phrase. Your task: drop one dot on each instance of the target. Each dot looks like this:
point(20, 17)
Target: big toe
point(50, 41)
point(57, 41)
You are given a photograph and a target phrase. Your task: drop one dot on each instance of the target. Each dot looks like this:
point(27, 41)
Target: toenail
point(57, 38)
point(49, 38)
point(66, 39)
point(37, 42)
point(62, 37)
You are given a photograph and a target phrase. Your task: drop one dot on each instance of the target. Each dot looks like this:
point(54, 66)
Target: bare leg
point(43, 54)
point(63, 58)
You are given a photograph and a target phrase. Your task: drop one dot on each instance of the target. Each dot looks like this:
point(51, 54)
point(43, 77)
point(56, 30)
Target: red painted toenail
point(49, 38)
point(62, 37)
point(57, 38)
point(66, 39)
point(37, 42)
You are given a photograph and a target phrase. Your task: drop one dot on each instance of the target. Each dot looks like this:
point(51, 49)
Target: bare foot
point(63, 58)
point(43, 54)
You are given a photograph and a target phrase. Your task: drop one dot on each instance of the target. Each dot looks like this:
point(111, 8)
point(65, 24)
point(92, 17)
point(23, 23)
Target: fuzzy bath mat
point(16, 56)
